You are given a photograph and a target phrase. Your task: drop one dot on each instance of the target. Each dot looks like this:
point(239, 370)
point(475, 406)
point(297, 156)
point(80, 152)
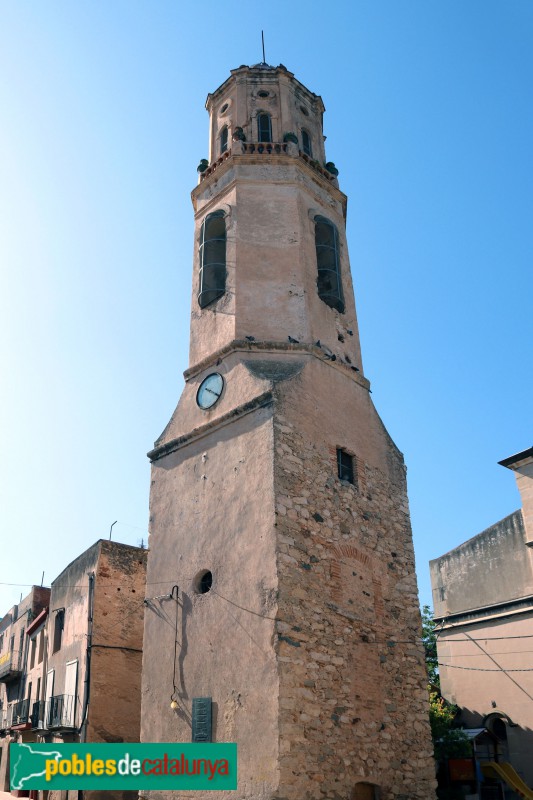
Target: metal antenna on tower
point(263, 43)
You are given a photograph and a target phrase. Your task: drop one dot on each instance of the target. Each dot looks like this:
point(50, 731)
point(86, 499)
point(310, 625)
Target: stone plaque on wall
point(201, 719)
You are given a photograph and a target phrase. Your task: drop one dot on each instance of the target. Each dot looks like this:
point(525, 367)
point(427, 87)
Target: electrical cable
point(483, 669)
point(479, 655)
point(279, 619)
point(174, 695)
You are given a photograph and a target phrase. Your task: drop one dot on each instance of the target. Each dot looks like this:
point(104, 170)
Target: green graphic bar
point(124, 766)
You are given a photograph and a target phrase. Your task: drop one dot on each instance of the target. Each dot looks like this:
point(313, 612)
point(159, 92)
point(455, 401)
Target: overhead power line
point(483, 669)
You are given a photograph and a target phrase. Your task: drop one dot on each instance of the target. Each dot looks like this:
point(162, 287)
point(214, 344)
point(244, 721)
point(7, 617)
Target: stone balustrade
point(263, 147)
point(266, 148)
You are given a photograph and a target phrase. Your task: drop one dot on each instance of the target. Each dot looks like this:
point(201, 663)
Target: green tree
point(429, 640)
point(448, 741)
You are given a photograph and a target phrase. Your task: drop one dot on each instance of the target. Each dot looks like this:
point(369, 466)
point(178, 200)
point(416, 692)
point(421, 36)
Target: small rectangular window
point(58, 629)
point(345, 466)
point(41, 646)
point(33, 648)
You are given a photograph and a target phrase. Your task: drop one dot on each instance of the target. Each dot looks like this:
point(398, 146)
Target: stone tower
point(278, 500)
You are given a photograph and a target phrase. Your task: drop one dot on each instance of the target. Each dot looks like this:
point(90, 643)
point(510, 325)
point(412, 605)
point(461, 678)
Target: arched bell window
point(264, 127)
point(224, 139)
point(328, 263)
point(212, 259)
point(306, 143)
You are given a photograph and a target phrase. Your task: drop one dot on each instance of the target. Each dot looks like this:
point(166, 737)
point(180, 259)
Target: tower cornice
point(275, 348)
point(262, 401)
point(231, 159)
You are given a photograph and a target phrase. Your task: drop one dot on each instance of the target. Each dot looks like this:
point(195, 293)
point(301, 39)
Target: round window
point(304, 111)
point(203, 581)
point(262, 93)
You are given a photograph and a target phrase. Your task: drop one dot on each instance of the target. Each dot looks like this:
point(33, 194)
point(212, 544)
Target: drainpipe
point(82, 730)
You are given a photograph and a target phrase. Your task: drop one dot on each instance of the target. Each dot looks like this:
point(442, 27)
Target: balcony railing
point(37, 716)
point(10, 666)
point(60, 710)
point(20, 712)
point(266, 148)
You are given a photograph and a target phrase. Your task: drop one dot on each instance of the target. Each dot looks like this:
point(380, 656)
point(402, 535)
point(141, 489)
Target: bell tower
point(278, 501)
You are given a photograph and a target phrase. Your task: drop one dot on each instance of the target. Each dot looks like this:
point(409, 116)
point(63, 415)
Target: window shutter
point(327, 257)
point(212, 259)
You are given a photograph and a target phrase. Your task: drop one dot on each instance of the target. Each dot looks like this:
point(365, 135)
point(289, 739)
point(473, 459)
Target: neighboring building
point(483, 606)
point(88, 648)
point(22, 660)
point(95, 646)
point(279, 513)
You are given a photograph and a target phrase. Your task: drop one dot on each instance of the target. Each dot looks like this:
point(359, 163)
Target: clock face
point(210, 390)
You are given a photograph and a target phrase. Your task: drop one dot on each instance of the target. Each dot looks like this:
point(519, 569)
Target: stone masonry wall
point(353, 697)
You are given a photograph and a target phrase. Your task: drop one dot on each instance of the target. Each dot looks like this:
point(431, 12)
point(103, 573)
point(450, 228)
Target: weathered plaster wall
point(524, 481)
point(240, 388)
point(70, 591)
point(493, 645)
point(212, 508)
point(493, 567)
point(271, 286)
point(276, 260)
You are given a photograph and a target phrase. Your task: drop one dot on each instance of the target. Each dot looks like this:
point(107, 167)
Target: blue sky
point(430, 122)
